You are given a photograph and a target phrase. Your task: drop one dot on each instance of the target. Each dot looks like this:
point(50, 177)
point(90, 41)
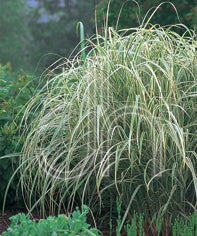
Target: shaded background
point(35, 33)
point(31, 29)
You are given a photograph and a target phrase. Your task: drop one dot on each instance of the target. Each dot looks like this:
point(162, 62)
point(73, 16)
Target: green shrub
point(122, 122)
point(15, 91)
point(61, 225)
point(133, 14)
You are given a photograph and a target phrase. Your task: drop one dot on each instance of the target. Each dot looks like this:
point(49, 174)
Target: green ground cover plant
point(138, 225)
point(52, 226)
point(15, 90)
point(121, 122)
point(188, 227)
point(77, 225)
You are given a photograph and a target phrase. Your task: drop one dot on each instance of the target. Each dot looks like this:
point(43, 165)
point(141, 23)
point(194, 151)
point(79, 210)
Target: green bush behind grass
point(133, 12)
point(15, 90)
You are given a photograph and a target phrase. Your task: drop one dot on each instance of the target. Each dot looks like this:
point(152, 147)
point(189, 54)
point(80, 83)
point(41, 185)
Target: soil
point(4, 219)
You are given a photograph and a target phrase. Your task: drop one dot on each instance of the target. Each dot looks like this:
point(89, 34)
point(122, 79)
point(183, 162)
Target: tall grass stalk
point(80, 24)
point(123, 124)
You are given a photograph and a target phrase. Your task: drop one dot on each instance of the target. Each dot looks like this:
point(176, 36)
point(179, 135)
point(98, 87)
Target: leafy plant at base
point(131, 229)
point(61, 225)
point(185, 227)
point(13, 96)
point(123, 123)
point(118, 206)
point(76, 225)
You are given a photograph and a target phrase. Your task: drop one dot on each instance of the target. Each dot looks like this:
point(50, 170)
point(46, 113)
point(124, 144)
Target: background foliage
point(15, 91)
point(131, 16)
point(57, 34)
point(39, 35)
point(14, 36)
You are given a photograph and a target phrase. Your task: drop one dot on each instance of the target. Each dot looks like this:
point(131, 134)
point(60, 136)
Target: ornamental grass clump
point(122, 122)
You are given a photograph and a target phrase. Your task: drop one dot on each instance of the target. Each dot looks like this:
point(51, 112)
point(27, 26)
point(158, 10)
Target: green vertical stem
point(80, 26)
